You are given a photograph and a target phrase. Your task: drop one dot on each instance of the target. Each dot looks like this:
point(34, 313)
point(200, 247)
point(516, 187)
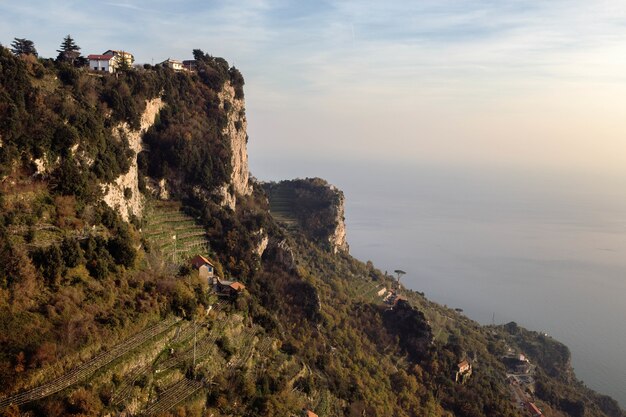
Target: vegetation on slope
point(76, 281)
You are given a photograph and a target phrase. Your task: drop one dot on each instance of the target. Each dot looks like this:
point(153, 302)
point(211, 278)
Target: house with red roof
point(101, 63)
point(110, 60)
point(228, 288)
point(204, 267)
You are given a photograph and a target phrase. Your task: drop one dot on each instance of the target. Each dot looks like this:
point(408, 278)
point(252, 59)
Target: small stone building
point(204, 267)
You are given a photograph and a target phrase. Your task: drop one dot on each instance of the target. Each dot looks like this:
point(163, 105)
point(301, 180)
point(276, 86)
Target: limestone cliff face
point(337, 238)
point(123, 194)
point(236, 132)
point(312, 205)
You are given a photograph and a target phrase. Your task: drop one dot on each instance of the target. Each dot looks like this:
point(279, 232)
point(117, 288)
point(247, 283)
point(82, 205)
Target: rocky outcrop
point(236, 132)
point(338, 237)
point(280, 252)
point(263, 241)
point(312, 205)
point(123, 194)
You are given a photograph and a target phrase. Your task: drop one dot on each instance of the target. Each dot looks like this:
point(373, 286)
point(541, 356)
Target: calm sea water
point(545, 250)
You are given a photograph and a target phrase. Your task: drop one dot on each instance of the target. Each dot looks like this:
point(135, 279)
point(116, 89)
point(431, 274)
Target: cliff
point(314, 206)
point(102, 316)
point(123, 194)
point(236, 133)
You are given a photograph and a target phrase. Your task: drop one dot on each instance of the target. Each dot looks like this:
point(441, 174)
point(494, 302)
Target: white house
point(121, 55)
point(102, 63)
point(110, 60)
point(173, 64)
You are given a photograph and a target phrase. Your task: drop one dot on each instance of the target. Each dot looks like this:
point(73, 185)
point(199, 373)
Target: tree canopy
point(22, 46)
point(68, 51)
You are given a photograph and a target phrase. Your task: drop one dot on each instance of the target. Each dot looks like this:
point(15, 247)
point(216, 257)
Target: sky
point(521, 85)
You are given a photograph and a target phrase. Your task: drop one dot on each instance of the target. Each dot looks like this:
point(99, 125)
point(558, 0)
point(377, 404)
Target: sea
point(546, 249)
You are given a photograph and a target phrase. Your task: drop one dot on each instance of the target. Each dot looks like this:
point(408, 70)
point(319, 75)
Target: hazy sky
point(524, 84)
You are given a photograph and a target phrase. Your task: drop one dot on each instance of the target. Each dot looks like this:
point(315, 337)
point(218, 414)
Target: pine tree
point(124, 61)
point(69, 51)
point(21, 46)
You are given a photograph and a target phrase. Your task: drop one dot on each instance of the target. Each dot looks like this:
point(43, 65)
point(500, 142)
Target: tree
point(69, 51)
point(198, 54)
point(399, 273)
point(124, 61)
point(21, 46)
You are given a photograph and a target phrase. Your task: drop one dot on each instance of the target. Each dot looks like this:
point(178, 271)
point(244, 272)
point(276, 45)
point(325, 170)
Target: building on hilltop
point(308, 413)
point(101, 63)
point(121, 56)
point(190, 64)
point(110, 60)
point(205, 268)
point(173, 64)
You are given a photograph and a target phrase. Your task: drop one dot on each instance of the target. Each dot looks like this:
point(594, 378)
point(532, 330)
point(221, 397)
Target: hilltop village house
point(204, 267)
point(173, 64)
point(110, 60)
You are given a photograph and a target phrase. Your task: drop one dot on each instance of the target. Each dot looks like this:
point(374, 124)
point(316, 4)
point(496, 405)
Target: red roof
point(463, 365)
point(310, 413)
point(237, 286)
point(200, 260)
point(101, 57)
point(533, 409)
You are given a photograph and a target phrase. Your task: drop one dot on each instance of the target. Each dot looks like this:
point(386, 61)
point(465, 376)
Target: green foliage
point(21, 46)
point(73, 281)
point(68, 51)
point(121, 247)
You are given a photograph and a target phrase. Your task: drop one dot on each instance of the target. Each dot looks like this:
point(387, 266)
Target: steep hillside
point(313, 205)
point(111, 182)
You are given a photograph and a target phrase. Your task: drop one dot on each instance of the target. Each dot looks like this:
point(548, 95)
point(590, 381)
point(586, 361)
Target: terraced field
point(281, 207)
point(174, 395)
point(177, 235)
point(87, 369)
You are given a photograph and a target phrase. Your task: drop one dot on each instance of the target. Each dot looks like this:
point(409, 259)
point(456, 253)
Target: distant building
point(121, 55)
point(205, 268)
point(110, 60)
point(463, 371)
point(101, 63)
point(173, 64)
point(190, 64)
point(228, 288)
point(533, 409)
point(523, 368)
point(308, 413)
